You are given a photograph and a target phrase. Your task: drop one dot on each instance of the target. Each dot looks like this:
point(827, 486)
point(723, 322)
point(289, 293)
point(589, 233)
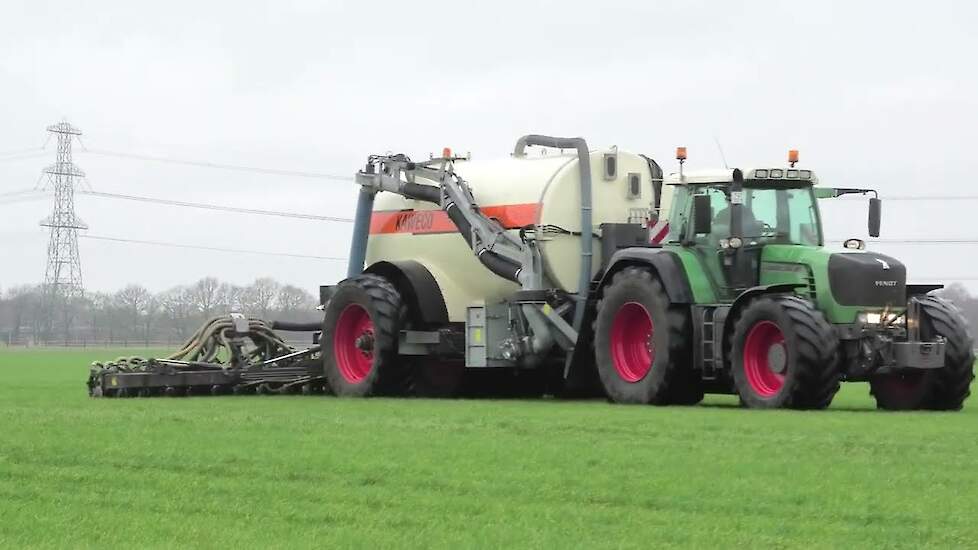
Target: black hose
point(458, 218)
point(297, 327)
point(427, 193)
point(505, 268)
point(501, 266)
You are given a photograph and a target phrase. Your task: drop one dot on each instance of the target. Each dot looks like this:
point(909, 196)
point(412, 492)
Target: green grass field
point(294, 471)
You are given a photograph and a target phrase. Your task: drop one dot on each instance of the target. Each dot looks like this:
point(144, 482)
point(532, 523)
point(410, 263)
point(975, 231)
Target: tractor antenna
point(722, 156)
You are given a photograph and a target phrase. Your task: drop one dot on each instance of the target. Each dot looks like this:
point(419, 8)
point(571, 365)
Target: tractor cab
point(727, 218)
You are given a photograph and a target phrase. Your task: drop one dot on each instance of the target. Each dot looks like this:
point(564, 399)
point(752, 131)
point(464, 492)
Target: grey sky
point(880, 94)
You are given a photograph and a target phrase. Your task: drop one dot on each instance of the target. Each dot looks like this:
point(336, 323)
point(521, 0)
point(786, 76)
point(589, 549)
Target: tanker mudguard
point(666, 263)
point(418, 287)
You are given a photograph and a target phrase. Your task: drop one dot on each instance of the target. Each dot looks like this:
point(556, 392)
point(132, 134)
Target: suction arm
point(500, 252)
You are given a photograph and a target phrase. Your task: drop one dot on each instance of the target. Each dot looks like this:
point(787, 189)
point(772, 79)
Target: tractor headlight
point(870, 317)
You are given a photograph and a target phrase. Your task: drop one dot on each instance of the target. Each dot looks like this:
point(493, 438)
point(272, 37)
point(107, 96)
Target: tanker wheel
point(641, 345)
point(360, 331)
point(942, 389)
point(784, 355)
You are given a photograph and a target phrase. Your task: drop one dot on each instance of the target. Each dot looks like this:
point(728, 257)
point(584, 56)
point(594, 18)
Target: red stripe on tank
point(419, 222)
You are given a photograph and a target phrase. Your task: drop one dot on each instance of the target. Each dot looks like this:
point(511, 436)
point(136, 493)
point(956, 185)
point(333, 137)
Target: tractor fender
point(921, 290)
point(417, 286)
point(745, 298)
point(664, 263)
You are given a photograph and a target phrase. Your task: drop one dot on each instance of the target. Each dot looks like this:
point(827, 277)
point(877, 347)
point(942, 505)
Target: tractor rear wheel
point(360, 332)
point(641, 344)
point(942, 389)
point(784, 355)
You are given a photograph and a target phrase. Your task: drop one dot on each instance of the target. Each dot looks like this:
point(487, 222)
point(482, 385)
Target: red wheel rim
point(353, 343)
point(632, 349)
point(764, 346)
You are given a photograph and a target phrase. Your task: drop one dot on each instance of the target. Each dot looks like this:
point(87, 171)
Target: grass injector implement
point(591, 272)
point(231, 354)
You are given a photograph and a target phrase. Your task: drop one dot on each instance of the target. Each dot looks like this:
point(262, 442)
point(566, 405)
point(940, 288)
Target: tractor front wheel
point(360, 331)
point(641, 343)
point(784, 355)
point(942, 389)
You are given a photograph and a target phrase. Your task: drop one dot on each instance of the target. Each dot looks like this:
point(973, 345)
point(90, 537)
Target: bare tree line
point(965, 301)
point(134, 314)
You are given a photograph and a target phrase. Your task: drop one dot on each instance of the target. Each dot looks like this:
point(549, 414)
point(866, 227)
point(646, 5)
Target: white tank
point(518, 191)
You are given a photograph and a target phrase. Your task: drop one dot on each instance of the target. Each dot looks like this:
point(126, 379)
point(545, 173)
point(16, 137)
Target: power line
point(940, 240)
point(22, 195)
point(952, 279)
point(932, 198)
point(926, 241)
point(32, 194)
point(18, 192)
point(21, 151)
point(23, 157)
point(915, 198)
point(210, 248)
point(207, 164)
point(219, 207)
point(333, 258)
point(26, 198)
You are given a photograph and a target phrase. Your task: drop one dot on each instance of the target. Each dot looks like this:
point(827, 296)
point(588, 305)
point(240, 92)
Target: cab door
point(707, 247)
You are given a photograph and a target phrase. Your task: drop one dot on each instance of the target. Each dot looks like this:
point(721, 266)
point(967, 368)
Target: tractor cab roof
point(753, 177)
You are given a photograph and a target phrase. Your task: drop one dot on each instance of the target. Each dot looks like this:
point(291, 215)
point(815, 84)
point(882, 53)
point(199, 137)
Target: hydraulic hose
point(499, 265)
point(297, 327)
point(505, 268)
point(427, 193)
point(458, 218)
point(215, 334)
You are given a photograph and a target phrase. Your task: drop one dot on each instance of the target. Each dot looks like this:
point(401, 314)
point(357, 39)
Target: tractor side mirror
point(702, 215)
point(875, 216)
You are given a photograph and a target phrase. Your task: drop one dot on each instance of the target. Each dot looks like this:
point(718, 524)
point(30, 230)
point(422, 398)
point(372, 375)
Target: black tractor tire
point(942, 389)
point(687, 389)
point(641, 343)
point(363, 320)
point(784, 354)
point(436, 377)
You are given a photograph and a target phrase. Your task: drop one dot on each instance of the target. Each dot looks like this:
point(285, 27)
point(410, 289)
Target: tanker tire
point(635, 298)
point(438, 378)
point(372, 310)
point(942, 389)
point(807, 344)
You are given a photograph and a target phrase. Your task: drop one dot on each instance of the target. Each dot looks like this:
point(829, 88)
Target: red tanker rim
point(763, 340)
point(353, 343)
point(632, 346)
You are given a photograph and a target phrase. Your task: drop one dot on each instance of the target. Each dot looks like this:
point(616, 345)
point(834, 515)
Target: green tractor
point(744, 290)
